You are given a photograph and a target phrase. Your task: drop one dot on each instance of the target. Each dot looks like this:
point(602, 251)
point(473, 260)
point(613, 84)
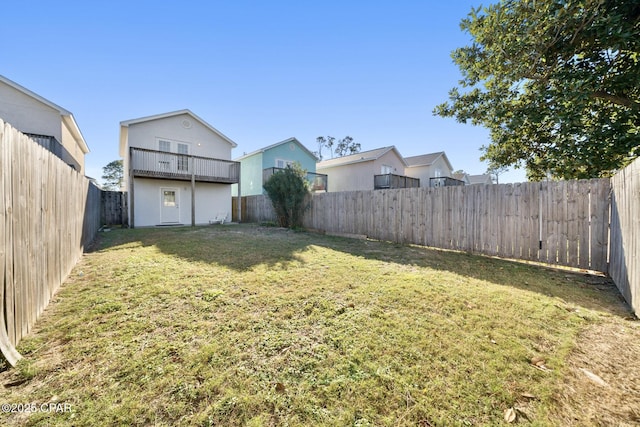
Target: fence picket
point(46, 218)
point(564, 223)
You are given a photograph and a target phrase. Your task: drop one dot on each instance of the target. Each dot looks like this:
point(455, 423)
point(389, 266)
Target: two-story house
point(177, 170)
point(258, 166)
point(48, 124)
point(433, 170)
point(381, 168)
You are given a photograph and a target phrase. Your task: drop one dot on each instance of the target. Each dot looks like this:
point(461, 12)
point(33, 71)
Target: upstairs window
point(164, 145)
point(281, 163)
point(183, 162)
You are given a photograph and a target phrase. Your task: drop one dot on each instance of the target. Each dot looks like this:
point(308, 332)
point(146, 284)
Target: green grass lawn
point(245, 325)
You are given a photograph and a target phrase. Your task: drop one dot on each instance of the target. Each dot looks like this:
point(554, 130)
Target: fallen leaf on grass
point(15, 383)
point(537, 361)
point(280, 388)
point(510, 415)
point(528, 396)
point(593, 377)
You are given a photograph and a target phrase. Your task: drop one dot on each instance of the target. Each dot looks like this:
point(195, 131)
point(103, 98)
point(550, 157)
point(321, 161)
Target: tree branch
point(615, 99)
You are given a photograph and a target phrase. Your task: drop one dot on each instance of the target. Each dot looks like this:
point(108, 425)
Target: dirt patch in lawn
point(602, 384)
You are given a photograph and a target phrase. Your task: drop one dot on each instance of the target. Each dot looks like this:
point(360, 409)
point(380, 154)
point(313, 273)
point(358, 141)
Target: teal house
point(258, 166)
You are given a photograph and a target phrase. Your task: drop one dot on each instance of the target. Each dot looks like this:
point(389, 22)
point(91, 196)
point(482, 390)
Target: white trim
point(290, 140)
point(66, 115)
point(126, 123)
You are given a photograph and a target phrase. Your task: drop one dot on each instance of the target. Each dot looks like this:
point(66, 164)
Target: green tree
point(112, 175)
point(557, 83)
point(344, 146)
point(288, 189)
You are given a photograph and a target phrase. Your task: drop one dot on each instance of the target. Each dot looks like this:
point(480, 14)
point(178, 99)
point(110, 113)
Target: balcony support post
point(131, 193)
point(193, 192)
point(239, 204)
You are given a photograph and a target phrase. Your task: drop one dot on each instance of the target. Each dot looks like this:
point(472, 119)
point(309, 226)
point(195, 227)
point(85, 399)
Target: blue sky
point(259, 72)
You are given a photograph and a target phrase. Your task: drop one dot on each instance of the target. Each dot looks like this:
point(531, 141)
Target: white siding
point(211, 199)
point(27, 114)
point(202, 141)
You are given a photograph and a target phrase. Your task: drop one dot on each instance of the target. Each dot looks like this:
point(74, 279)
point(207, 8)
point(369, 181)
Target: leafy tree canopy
point(287, 189)
point(112, 175)
point(557, 83)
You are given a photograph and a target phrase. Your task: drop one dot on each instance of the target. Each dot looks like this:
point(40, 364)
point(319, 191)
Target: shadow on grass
point(242, 247)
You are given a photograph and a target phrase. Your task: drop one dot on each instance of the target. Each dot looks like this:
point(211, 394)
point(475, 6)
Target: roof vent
point(186, 124)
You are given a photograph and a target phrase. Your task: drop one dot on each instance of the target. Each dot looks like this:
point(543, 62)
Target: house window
point(183, 161)
point(280, 163)
point(172, 162)
point(164, 145)
point(386, 169)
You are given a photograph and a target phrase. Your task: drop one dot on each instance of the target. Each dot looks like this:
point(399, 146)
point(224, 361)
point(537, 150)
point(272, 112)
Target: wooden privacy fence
point(48, 214)
point(562, 222)
point(624, 258)
point(553, 222)
point(589, 224)
point(114, 208)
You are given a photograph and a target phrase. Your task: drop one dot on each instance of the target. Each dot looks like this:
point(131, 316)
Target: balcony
point(52, 144)
point(183, 167)
point(317, 181)
point(444, 181)
point(390, 181)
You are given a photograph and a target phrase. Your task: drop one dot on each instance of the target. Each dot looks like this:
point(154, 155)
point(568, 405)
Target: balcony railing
point(183, 167)
point(444, 181)
point(390, 180)
point(52, 144)
point(317, 181)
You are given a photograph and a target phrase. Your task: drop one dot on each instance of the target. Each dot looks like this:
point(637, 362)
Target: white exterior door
point(169, 205)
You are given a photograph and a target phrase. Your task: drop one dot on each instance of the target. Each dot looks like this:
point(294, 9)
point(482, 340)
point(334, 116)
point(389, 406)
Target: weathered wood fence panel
point(48, 214)
point(254, 209)
point(114, 208)
point(624, 267)
point(563, 223)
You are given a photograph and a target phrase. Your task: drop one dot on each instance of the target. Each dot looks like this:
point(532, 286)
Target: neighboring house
point(464, 177)
point(480, 179)
point(48, 124)
point(177, 170)
point(258, 166)
point(374, 169)
point(433, 170)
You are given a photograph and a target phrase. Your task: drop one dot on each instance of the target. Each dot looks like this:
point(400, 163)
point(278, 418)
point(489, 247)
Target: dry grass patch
point(602, 383)
point(246, 325)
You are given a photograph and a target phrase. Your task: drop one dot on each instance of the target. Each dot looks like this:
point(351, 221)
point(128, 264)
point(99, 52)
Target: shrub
point(288, 190)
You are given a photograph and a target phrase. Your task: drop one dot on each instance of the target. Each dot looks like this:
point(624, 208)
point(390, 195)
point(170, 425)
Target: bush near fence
point(560, 222)
point(48, 214)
